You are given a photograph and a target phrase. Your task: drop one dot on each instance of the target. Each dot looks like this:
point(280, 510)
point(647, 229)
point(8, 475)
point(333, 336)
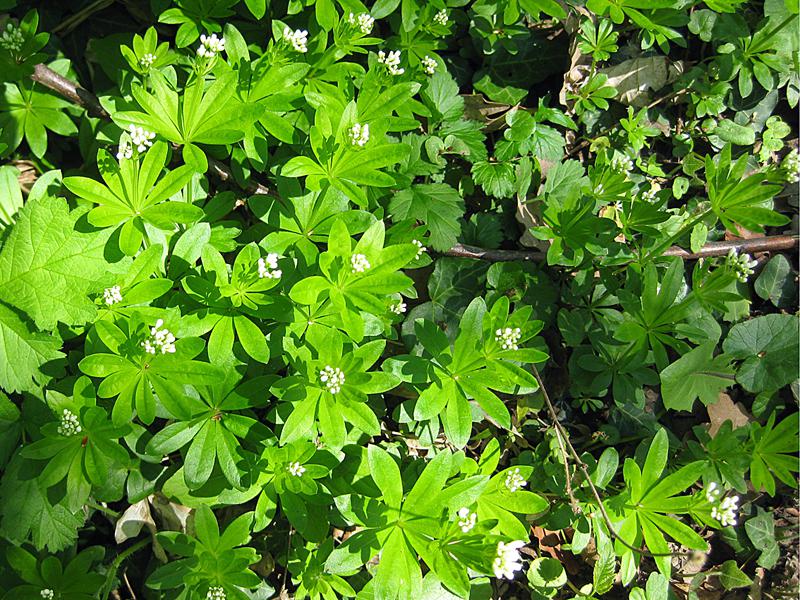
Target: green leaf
point(496, 178)
point(776, 282)
point(768, 346)
point(23, 352)
point(732, 577)
point(48, 266)
point(386, 475)
point(546, 572)
point(438, 205)
point(696, 374)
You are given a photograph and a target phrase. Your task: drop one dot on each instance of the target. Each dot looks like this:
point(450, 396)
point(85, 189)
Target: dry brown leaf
point(725, 409)
point(636, 78)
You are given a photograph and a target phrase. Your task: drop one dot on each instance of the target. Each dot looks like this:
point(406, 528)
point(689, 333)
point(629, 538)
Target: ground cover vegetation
point(398, 300)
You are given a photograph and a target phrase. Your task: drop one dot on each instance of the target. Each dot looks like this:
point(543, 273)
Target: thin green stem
point(114, 567)
point(103, 509)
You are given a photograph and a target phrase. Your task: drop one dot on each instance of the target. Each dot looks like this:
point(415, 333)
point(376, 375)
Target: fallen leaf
point(636, 78)
point(726, 410)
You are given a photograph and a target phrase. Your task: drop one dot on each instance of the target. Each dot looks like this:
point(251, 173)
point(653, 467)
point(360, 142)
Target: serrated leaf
point(23, 352)
point(438, 205)
point(48, 267)
point(496, 178)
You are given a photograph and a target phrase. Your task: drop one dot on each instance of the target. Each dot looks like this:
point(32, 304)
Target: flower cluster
point(725, 510)
point(508, 560)
point(12, 38)
point(47, 593)
point(364, 22)
point(398, 307)
point(333, 378)
point(210, 46)
point(359, 263)
point(429, 65)
point(140, 137)
point(392, 61)
point(359, 134)
point(297, 38)
point(742, 266)
point(441, 18)
point(466, 519)
point(70, 425)
point(159, 339)
point(111, 295)
point(216, 593)
point(420, 249)
point(125, 150)
point(515, 481)
point(296, 469)
point(649, 195)
point(622, 163)
point(508, 338)
point(792, 166)
point(147, 60)
point(268, 267)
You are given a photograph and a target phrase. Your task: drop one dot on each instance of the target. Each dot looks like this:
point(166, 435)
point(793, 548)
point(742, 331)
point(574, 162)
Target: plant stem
point(114, 567)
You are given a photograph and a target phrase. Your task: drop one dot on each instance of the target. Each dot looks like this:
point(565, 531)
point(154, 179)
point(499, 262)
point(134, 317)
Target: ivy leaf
point(496, 178)
point(22, 352)
point(769, 347)
point(438, 205)
point(776, 282)
point(732, 577)
point(696, 374)
point(48, 266)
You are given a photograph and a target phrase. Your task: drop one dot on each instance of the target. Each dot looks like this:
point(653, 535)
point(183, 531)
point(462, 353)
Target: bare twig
point(751, 246)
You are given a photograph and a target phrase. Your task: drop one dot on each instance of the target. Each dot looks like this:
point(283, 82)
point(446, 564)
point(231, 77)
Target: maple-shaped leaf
point(48, 266)
point(437, 205)
point(22, 352)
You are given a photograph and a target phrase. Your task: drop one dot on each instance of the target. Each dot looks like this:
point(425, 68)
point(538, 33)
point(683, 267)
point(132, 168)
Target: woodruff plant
point(301, 299)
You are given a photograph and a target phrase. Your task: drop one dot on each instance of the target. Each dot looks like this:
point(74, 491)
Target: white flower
point(297, 38)
point(508, 338)
point(333, 378)
point(268, 268)
point(359, 134)
point(147, 60)
point(508, 560)
point(649, 195)
point(296, 469)
point(713, 492)
point(429, 65)
point(467, 519)
point(515, 481)
point(70, 425)
point(210, 46)
point(359, 263)
point(392, 61)
point(111, 295)
point(160, 339)
point(441, 18)
point(742, 266)
point(792, 165)
point(364, 22)
point(622, 163)
point(727, 511)
point(216, 593)
point(125, 150)
point(47, 593)
point(140, 137)
point(420, 249)
point(398, 307)
point(12, 38)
